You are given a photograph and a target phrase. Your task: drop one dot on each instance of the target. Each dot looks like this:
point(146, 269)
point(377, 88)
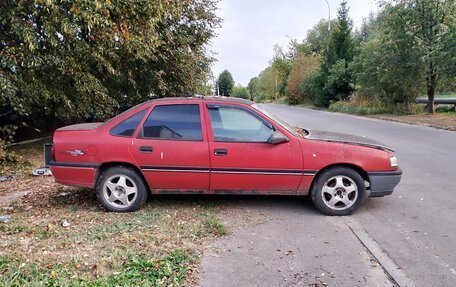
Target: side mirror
point(277, 138)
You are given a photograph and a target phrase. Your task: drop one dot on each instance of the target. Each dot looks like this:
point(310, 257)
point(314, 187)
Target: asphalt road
point(415, 226)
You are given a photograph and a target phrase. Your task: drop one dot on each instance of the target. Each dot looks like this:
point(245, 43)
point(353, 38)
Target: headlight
point(393, 161)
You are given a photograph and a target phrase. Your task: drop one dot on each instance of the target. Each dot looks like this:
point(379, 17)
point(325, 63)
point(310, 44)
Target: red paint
point(99, 147)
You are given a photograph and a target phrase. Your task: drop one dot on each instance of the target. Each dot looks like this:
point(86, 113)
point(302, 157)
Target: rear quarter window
point(127, 127)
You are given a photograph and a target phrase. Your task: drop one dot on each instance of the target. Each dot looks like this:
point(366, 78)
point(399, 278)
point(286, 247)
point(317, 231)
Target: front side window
point(182, 122)
point(237, 125)
point(127, 127)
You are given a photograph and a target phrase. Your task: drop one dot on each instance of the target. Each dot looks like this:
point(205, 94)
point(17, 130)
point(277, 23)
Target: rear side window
point(182, 122)
point(127, 127)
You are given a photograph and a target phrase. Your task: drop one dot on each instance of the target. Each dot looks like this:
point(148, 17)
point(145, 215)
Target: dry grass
point(158, 245)
point(445, 121)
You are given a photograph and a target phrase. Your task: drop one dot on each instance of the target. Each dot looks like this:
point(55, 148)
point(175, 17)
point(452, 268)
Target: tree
point(299, 79)
point(240, 92)
point(68, 59)
point(253, 88)
point(267, 84)
point(341, 50)
point(225, 83)
point(317, 37)
point(432, 25)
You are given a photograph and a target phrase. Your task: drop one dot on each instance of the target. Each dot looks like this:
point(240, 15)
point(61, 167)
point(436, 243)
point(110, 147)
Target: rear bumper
point(70, 173)
point(75, 176)
point(383, 182)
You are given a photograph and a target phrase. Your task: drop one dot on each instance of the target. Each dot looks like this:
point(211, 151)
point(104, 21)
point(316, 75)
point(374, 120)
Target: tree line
point(406, 50)
point(68, 61)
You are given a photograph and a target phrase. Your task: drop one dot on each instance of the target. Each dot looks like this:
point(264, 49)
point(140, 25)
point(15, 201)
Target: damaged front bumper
point(382, 183)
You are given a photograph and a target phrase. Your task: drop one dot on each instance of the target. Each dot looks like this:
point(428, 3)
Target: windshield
point(278, 120)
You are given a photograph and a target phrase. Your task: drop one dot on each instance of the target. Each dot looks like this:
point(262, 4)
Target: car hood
point(345, 138)
point(81, 127)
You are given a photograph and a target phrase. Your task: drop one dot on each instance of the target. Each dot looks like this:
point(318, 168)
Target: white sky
point(250, 29)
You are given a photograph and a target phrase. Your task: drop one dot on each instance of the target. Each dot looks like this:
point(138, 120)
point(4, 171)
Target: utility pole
point(329, 26)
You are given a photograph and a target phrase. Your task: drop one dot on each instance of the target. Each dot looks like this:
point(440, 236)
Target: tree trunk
point(431, 94)
point(431, 84)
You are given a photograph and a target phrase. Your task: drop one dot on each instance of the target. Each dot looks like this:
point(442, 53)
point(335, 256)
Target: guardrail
point(439, 101)
point(443, 101)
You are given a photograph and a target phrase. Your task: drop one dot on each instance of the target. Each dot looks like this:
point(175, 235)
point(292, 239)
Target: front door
point(172, 149)
point(241, 158)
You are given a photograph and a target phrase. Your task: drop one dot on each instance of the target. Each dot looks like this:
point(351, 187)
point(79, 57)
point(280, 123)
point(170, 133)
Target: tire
point(120, 189)
point(338, 191)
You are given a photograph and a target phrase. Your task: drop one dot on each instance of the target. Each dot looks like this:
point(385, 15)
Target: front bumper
point(383, 182)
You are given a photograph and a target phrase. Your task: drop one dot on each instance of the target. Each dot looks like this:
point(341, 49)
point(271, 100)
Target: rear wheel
point(338, 191)
point(121, 189)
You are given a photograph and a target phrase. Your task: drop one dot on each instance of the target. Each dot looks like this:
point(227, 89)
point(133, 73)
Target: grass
point(159, 245)
point(129, 269)
point(348, 108)
point(444, 95)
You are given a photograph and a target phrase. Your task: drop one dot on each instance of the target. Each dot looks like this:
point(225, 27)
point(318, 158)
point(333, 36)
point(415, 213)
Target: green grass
point(445, 95)
point(128, 269)
point(210, 226)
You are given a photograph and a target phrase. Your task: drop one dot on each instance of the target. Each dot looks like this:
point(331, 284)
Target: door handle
point(145, 149)
point(220, 151)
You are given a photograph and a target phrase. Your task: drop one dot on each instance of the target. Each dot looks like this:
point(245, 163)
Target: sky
point(245, 42)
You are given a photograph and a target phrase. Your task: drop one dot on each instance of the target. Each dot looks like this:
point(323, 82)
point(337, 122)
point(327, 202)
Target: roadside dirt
point(439, 121)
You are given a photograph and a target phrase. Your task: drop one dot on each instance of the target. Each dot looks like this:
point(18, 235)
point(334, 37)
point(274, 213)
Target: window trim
point(267, 123)
point(141, 130)
point(136, 128)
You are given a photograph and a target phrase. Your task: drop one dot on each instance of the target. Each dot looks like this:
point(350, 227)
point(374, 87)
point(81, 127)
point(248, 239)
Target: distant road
point(415, 226)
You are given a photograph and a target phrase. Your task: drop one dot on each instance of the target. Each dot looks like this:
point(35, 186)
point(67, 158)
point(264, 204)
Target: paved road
point(415, 227)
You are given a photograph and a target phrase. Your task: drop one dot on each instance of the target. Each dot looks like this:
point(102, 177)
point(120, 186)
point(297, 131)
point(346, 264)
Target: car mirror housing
point(277, 138)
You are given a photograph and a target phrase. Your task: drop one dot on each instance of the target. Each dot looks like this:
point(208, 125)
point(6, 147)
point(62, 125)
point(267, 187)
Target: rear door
point(172, 149)
point(242, 161)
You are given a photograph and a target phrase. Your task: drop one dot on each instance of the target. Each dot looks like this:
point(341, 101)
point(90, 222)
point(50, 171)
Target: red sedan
point(215, 145)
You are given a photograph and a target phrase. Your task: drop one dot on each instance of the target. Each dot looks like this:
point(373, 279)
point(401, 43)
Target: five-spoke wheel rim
point(339, 192)
point(120, 191)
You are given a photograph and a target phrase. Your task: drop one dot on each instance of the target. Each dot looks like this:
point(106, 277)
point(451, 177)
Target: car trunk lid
point(81, 127)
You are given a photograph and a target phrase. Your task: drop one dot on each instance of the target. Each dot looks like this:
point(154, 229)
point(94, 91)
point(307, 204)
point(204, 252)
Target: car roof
point(212, 98)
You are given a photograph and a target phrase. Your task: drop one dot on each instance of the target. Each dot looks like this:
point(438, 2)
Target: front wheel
point(121, 189)
point(338, 191)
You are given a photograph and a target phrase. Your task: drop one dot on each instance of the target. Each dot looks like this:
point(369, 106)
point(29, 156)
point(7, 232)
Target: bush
point(362, 105)
point(240, 92)
point(299, 81)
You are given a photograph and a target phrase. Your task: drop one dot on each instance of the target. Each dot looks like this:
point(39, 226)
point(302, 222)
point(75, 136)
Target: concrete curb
point(396, 273)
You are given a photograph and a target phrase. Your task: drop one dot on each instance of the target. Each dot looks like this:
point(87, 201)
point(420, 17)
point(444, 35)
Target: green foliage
point(253, 88)
point(281, 64)
point(267, 86)
point(387, 67)
point(240, 92)
point(317, 37)
point(409, 53)
point(70, 59)
point(299, 81)
point(225, 83)
point(333, 83)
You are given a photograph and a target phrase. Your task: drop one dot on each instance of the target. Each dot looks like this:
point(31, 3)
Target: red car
point(216, 145)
